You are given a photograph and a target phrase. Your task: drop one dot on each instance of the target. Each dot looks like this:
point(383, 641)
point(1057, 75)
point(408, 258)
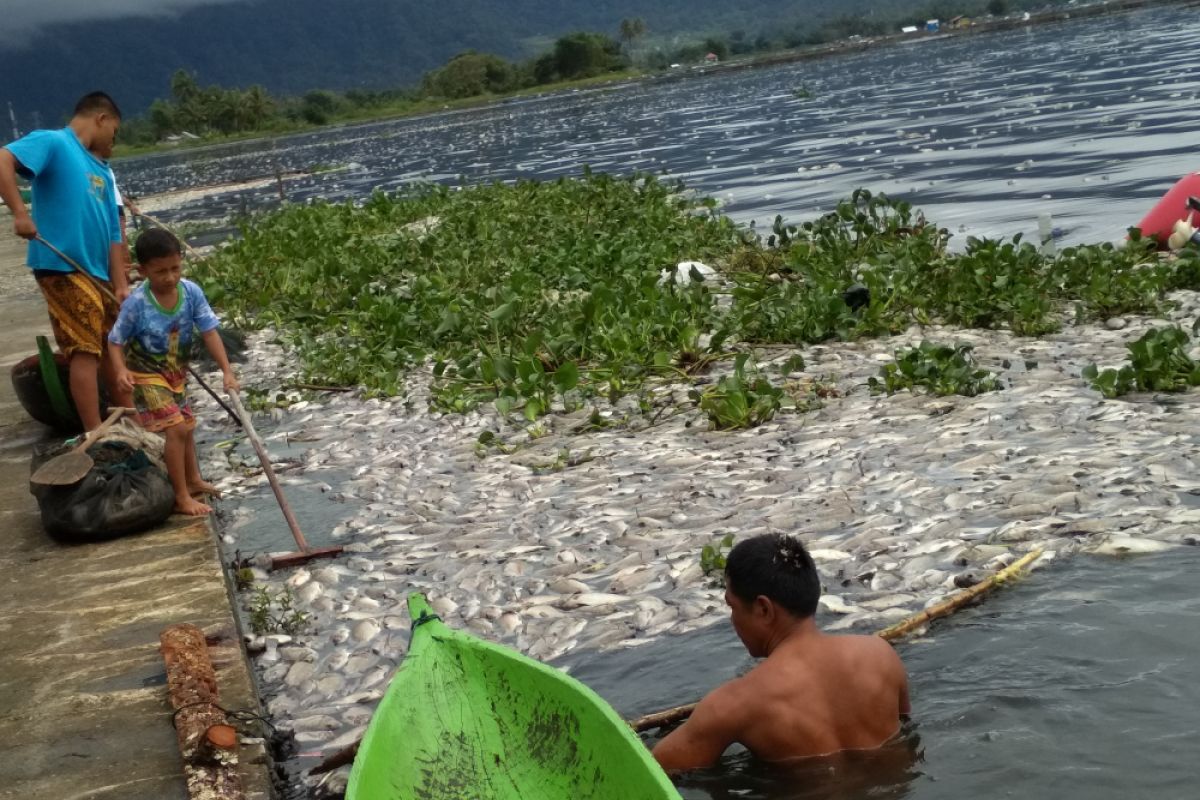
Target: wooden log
point(207, 742)
point(678, 714)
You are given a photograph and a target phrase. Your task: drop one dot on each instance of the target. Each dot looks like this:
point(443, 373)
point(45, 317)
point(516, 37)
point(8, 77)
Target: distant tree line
point(883, 19)
point(576, 55)
point(214, 110)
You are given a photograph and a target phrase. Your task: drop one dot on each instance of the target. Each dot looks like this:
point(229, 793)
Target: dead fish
point(444, 607)
point(1122, 545)
point(309, 592)
point(542, 612)
point(365, 630)
point(591, 599)
point(569, 586)
point(826, 554)
point(835, 604)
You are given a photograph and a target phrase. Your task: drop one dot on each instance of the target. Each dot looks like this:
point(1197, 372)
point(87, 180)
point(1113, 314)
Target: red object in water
point(1160, 220)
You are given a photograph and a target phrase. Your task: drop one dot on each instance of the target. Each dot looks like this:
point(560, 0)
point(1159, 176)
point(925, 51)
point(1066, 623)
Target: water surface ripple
point(1077, 684)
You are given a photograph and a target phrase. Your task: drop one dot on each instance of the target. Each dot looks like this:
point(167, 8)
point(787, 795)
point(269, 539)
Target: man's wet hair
point(777, 567)
point(97, 103)
point(156, 243)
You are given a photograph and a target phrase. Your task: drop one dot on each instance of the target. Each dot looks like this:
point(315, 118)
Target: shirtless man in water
point(815, 694)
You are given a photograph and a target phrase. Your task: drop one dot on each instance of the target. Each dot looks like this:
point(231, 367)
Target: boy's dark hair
point(777, 567)
point(97, 103)
point(156, 243)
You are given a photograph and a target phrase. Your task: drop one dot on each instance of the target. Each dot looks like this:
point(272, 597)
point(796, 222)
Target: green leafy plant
point(738, 401)
point(712, 558)
point(942, 369)
point(534, 296)
point(276, 613)
point(1159, 362)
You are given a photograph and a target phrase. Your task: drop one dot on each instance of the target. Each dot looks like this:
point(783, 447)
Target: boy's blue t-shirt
point(74, 201)
point(157, 339)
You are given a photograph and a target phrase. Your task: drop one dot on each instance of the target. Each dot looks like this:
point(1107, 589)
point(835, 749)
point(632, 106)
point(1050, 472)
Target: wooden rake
point(305, 553)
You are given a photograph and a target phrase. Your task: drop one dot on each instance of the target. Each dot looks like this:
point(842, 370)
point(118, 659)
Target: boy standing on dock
point(75, 210)
point(149, 346)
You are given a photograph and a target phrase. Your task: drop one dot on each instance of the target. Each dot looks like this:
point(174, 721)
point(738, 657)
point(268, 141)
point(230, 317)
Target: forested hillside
point(291, 46)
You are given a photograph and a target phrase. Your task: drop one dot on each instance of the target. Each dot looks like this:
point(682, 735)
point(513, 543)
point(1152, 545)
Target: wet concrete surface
point(84, 711)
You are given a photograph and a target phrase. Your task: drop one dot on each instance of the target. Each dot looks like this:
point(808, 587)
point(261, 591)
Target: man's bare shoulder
point(733, 694)
point(869, 649)
point(865, 642)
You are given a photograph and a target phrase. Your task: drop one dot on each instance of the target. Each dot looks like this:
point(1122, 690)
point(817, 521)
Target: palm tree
point(257, 106)
point(630, 31)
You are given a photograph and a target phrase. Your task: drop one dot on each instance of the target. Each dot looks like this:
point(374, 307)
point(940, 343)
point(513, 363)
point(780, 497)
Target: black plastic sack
point(122, 493)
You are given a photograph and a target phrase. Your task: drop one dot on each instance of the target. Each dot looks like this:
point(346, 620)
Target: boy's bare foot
point(203, 488)
point(193, 508)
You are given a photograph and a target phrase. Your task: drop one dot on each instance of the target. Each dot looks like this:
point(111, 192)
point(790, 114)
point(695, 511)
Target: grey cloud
point(24, 17)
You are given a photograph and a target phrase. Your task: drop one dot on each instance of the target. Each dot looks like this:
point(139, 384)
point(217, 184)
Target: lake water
point(1079, 683)
point(1090, 121)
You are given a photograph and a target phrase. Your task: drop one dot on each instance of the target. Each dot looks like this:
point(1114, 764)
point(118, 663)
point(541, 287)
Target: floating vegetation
point(525, 295)
point(276, 612)
point(713, 557)
point(542, 296)
point(740, 401)
point(1159, 362)
point(942, 369)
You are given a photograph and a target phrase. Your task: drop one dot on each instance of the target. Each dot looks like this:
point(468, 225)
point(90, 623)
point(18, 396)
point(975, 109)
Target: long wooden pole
point(671, 716)
point(265, 460)
point(305, 553)
point(191, 250)
point(677, 714)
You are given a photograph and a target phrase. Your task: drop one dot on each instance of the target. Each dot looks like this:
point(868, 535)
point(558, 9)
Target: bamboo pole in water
point(671, 716)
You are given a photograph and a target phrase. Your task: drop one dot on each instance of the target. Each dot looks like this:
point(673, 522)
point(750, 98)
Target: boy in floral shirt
point(149, 346)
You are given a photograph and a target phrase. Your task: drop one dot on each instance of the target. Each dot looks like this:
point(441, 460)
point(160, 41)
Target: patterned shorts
point(160, 408)
point(80, 314)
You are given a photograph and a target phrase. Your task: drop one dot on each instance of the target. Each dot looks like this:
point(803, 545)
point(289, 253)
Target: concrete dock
point(84, 711)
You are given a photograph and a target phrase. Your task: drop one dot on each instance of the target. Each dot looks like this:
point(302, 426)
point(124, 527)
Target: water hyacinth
point(520, 293)
point(1159, 362)
point(536, 296)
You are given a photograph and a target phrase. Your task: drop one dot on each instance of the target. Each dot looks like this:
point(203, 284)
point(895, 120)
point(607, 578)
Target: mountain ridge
point(292, 46)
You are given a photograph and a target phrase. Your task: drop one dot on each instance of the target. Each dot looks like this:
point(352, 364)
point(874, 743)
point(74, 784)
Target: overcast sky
point(22, 17)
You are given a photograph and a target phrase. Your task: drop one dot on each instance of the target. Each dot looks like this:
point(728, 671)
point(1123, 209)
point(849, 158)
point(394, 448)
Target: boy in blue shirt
point(75, 209)
point(149, 346)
